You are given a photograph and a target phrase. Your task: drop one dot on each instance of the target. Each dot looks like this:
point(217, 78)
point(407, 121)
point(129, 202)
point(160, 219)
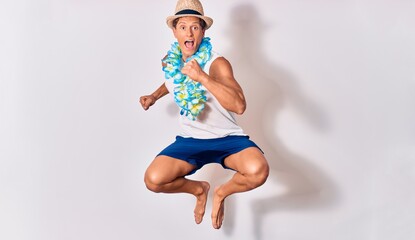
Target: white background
point(331, 100)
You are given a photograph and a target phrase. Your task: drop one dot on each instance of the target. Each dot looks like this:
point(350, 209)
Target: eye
point(195, 28)
point(182, 28)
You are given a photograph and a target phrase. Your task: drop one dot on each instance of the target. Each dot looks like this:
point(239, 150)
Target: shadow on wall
point(268, 88)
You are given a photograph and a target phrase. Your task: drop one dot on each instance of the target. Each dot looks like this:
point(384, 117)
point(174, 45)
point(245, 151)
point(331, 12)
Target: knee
point(257, 175)
point(153, 181)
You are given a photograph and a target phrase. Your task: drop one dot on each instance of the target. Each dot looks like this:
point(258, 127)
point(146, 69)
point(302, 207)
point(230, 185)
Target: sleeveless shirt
point(214, 121)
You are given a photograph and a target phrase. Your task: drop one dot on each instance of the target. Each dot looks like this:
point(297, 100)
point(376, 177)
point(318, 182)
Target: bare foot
point(201, 203)
point(218, 209)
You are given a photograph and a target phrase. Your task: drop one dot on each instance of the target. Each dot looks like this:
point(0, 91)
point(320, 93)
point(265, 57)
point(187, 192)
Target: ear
point(174, 32)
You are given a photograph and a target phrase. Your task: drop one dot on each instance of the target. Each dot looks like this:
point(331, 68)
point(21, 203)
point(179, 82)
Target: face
point(189, 35)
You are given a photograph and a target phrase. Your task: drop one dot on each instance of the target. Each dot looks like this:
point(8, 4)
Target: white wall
point(330, 88)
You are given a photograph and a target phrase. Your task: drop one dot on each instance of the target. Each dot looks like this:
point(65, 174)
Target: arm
point(148, 100)
point(220, 82)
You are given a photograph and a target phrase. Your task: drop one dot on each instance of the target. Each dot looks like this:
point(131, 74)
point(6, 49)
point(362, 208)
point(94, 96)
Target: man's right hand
point(147, 101)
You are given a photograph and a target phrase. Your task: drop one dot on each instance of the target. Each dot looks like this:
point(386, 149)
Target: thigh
point(247, 161)
point(165, 169)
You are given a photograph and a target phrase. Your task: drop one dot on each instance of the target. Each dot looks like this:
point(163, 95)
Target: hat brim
point(170, 19)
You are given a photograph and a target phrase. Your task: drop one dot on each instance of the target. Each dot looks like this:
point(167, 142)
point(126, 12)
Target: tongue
point(188, 44)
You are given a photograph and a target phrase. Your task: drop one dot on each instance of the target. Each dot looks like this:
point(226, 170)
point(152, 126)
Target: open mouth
point(189, 44)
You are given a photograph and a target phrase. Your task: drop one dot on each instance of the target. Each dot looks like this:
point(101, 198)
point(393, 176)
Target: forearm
point(160, 92)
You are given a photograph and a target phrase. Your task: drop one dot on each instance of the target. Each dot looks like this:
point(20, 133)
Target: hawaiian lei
point(188, 94)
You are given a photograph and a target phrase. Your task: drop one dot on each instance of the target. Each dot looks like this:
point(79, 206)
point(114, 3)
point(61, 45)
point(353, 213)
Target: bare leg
point(252, 171)
point(166, 175)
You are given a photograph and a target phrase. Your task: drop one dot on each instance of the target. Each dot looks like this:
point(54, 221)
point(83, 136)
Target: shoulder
point(163, 64)
point(220, 63)
point(217, 63)
point(220, 60)
point(215, 56)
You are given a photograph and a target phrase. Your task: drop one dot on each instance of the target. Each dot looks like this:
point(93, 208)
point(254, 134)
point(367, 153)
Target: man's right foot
point(201, 203)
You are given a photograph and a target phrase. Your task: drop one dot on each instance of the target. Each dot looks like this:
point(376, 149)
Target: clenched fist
point(193, 70)
point(147, 101)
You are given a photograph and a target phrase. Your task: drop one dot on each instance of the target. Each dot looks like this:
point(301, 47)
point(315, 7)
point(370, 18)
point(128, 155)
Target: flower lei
point(188, 94)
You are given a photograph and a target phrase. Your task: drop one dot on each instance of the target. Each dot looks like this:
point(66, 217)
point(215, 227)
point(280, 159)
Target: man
point(208, 95)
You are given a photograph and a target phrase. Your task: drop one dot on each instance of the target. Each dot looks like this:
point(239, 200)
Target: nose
point(189, 32)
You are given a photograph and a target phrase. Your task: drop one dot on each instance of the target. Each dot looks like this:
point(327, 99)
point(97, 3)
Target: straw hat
point(186, 8)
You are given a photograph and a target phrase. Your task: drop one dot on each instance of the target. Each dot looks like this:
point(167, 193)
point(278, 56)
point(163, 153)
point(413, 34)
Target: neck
point(185, 57)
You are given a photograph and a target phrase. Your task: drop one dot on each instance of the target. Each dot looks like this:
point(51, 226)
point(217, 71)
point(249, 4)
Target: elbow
point(240, 108)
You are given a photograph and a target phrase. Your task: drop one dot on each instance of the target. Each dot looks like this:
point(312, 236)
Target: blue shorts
point(200, 152)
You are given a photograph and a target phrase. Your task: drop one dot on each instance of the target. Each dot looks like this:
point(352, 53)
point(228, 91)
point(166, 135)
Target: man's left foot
point(218, 210)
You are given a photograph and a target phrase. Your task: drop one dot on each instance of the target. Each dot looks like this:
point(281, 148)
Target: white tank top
point(214, 121)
